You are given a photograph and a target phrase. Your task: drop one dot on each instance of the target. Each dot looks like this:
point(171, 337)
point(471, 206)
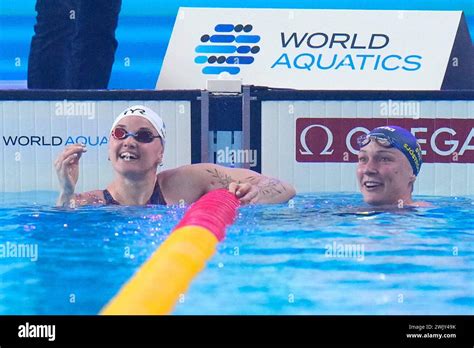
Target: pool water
point(310, 256)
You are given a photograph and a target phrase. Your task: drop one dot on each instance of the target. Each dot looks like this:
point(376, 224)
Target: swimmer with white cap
point(136, 146)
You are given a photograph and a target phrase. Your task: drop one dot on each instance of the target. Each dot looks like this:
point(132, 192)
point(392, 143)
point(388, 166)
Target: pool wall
point(33, 132)
point(304, 137)
point(309, 138)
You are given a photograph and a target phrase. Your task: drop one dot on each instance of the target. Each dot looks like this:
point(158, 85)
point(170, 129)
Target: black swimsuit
point(156, 197)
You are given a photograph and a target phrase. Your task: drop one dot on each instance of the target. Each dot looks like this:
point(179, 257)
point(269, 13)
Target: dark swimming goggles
point(142, 136)
point(381, 139)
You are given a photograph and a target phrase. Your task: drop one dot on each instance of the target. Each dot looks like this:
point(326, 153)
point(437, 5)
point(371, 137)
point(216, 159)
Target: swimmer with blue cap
point(389, 163)
point(137, 140)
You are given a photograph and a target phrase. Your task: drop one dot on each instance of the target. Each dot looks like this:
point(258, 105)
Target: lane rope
point(166, 275)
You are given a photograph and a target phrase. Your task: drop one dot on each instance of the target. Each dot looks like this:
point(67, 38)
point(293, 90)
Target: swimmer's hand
point(67, 169)
point(245, 192)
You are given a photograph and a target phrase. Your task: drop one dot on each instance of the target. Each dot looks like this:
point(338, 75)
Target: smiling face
point(131, 157)
point(384, 175)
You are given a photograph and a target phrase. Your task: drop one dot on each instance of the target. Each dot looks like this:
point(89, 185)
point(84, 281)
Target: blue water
point(276, 259)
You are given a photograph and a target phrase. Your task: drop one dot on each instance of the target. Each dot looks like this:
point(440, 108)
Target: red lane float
point(166, 275)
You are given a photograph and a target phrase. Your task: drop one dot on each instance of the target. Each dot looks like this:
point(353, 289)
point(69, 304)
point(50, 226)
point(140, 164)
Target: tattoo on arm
point(267, 186)
point(221, 179)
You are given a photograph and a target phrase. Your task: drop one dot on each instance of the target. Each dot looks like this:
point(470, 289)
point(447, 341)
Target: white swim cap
point(145, 112)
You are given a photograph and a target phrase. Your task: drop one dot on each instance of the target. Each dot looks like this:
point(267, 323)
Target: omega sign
point(335, 139)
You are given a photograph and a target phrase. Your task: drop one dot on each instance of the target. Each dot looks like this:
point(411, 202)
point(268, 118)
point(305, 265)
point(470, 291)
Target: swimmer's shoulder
point(90, 198)
point(421, 204)
point(180, 184)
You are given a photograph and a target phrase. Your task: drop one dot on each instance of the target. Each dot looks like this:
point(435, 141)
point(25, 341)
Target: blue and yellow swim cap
point(399, 138)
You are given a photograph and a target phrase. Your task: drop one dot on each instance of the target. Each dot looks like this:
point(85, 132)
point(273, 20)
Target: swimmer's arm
point(251, 187)
point(64, 199)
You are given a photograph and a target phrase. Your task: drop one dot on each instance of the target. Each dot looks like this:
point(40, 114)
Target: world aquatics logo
point(227, 49)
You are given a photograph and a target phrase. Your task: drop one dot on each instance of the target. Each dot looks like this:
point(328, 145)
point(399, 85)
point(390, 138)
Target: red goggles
point(142, 136)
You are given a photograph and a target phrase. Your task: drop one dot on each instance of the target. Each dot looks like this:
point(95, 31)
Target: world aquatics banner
point(319, 49)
